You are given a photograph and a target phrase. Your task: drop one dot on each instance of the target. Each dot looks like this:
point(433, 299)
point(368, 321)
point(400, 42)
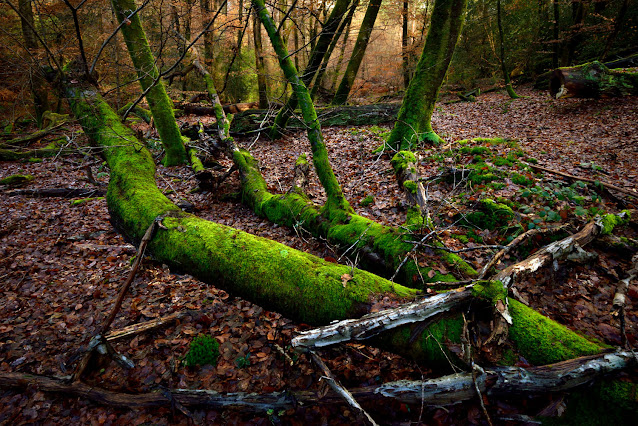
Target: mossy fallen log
point(362, 115)
point(592, 80)
point(381, 248)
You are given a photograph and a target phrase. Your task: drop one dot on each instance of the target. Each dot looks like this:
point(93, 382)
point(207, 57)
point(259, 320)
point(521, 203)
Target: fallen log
point(252, 120)
point(446, 390)
point(58, 192)
point(592, 80)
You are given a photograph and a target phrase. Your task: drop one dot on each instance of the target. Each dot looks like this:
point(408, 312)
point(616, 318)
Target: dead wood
point(145, 327)
point(378, 322)
point(632, 192)
point(620, 298)
point(515, 243)
point(446, 390)
point(55, 121)
point(58, 192)
point(340, 390)
point(99, 342)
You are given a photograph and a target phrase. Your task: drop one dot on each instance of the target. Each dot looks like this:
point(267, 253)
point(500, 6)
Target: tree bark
point(592, 80)
point(158, 101)
point(357, 53)
point(413, 125)
point(405, 43)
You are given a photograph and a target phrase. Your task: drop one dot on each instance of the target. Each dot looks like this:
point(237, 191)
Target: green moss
point(431, 346)
point(461, 238)
point(84, 200)
point(521, 180)
point(492, 291)
point(410, 186)
point(543, 341)
point(491, 215)
point(401, 159)
point(17, 179)
point(301, 160)
point(610, 402)
point(367, 201)
point(203, 350)
point(610, 221)
point(476, 150)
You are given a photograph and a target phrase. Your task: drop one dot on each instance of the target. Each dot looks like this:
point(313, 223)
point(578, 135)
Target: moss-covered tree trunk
point(160, 105)
point(336, 201)
point(357, 52)
point(37, 81)
point(413, 125)
point(317, 55)
point(501, 38)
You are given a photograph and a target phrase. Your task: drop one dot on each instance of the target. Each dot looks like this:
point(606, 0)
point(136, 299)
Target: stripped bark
point(378, 322)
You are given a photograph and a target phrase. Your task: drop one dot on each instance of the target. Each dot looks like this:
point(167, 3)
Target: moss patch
point(543, 341)
point(15, 180)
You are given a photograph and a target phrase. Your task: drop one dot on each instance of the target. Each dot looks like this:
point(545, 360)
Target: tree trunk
point(357, 53)
point(413, 125)
point(592, 80)
point(506, 75)
point(556, 28)
point(260, 63)
point(618, 23)
point(158, 101)
point(336, 201)
point(405, 43)
point(37, 80)
point(316, 58)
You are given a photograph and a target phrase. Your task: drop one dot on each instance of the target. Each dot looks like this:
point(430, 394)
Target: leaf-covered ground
point(62, 264)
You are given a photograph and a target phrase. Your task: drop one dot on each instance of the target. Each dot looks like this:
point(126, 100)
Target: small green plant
point(203, 350)
point(367, 201)
point(243, 361)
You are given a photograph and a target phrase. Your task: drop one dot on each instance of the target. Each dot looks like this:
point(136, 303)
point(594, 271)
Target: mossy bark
point(357, 52)
point(413, 125)
point(382, 248)
point(592, 80)
point(328, 33)
point(158, 101)
point(336, 203)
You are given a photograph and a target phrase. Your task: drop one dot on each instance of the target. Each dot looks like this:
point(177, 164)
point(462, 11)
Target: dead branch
point(99, 342)
point(632, 192)
point(58, 192)
point(445, 390)
point(620, 298)
point(340, 390)
point(515, 243)
point(135, 329)
point(375, 323)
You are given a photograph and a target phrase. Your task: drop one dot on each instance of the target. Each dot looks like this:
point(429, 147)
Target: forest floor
point(62, 264)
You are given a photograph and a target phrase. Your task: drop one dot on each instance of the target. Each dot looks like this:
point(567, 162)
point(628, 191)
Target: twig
point(632, 192)
point(463, 250)
point(99, 339)
point(339, 389)
point(475, 370)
